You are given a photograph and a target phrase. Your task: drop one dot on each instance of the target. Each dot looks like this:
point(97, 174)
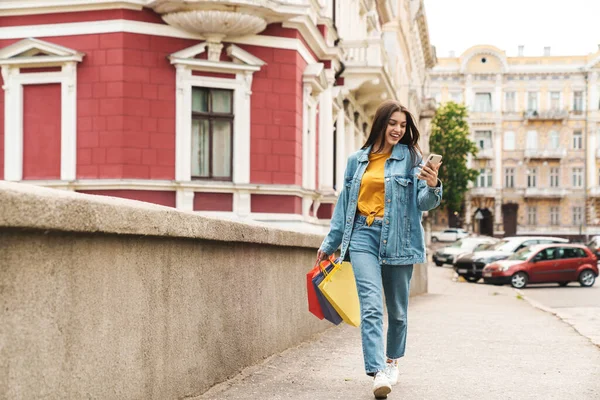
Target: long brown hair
point(380, 122)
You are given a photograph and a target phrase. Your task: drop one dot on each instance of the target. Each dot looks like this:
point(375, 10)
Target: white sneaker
point(381, 386)
point(391, 371)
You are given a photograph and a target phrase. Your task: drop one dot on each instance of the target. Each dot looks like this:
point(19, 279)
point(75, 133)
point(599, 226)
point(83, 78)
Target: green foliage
point(450, 138)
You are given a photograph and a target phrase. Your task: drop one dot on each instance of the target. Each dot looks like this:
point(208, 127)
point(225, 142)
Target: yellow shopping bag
point(339, 287)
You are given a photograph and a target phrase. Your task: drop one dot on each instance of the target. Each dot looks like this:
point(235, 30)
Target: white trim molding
point(243, 68)
point(32, 53)
point(28, 7)
point(147, 28)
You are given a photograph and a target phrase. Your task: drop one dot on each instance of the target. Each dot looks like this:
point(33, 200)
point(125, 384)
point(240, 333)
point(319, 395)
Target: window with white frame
point(509, 140)
point(509, 177)
point(577, 216)
point(34, 55)
point(578, 100)
point(510, 101)
point(212, 133)
point(554, 216)
point(484, 179)
point(532, 101)
point(532, 142)
point(483, 102)
point(532, 177)
point(554, 100)
point(554, 140)
point(532, 215)
point(577, 140)
point(577, 177)
point(483, 139)
point(554, 174)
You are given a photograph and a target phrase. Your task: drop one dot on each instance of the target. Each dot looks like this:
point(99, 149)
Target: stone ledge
point(24, 206)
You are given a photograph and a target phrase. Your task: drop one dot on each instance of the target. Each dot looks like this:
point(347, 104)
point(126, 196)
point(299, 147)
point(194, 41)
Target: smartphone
point(434, 159)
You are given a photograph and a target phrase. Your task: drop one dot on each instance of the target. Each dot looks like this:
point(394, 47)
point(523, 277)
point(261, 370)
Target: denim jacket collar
point(398, 153)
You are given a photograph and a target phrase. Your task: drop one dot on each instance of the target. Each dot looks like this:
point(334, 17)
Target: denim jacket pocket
point(404, 188)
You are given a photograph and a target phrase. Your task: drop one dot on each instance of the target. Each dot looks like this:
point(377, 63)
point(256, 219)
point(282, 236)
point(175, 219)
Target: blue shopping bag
point(328, 311)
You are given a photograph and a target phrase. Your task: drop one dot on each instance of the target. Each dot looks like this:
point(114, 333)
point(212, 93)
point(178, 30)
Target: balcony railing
point(594, 191)
point(547, 192)
point(365, 53)
point(483, 192)
point(485, 154)
point(546, 153)
point(546, 115)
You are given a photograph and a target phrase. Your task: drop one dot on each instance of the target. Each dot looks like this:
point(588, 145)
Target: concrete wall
point(109, 298)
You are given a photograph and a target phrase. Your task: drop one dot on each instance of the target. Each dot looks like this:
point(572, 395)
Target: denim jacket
point(406, 197)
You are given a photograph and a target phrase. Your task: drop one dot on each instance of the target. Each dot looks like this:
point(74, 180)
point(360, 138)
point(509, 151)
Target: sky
point(568, 27)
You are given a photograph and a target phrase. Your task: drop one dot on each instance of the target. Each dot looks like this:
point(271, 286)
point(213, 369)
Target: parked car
point(594, 245)
point(470, 266)
point(449, 235)
point(447, 255)
point(560, 263)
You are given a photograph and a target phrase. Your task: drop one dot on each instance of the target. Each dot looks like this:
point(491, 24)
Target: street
point(575, 305)
point(578, 306)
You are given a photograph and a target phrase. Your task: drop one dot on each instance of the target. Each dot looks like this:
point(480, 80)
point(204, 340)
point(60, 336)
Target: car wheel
point(434, 239)
point(471, 279)
point(563, 284)
point(519, 280)
point(439, 264)
point(587, 278)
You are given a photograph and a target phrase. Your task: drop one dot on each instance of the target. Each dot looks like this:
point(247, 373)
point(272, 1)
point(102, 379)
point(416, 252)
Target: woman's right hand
point(321, 255)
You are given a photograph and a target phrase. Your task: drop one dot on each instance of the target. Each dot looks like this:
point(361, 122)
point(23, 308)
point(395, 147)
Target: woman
point(377, 219)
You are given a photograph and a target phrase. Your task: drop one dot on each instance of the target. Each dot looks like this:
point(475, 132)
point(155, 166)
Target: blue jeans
point(372, 280)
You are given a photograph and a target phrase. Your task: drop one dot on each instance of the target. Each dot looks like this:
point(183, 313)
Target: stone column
point(326, 140)
point(341, 148)
point(469, 97)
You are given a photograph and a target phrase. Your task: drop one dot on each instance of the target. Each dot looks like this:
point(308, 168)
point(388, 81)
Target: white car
point(447, 255)
point(449, 235)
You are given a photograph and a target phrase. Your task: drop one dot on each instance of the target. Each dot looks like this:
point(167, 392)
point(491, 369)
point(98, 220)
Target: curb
point(554, 312)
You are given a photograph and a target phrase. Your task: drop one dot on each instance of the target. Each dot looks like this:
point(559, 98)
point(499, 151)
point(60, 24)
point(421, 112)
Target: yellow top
point(371, 197)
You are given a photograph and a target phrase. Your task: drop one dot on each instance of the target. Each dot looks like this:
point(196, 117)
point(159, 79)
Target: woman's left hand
point(429, 173)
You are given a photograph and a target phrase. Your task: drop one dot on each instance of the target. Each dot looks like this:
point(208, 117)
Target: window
point(554, 100)
point(456, 97)
point(577, 177)
point(577, 140)
point(554, 140)
point(484, 179)
point(531, 215)
point(483, 139)
point(437, 96)
point(532, 177)
point(510, 103)
point(509, 178)
point(554, 173)
point(554, 216)
point(577, 216)
point(531, 140)
point(532, 101)
point(212, 133)
point(509, 140)
point(578, 101)
point(483, 102)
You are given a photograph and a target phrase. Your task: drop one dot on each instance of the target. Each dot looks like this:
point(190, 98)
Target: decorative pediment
point(314, 78)
point(241, 59)
point(38, 52)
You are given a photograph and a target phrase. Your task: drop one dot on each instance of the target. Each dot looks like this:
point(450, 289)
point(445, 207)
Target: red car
point(560, 263)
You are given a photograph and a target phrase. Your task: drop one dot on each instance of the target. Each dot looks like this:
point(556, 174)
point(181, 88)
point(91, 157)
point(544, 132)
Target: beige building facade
point(536, 122)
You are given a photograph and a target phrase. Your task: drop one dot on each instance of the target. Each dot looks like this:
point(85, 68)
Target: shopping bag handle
point(323, 264)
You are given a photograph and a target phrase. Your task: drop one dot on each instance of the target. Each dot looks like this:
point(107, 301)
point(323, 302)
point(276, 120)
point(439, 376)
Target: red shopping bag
point(314, 306)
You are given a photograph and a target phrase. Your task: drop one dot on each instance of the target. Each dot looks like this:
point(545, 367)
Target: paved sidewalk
point(465, 341)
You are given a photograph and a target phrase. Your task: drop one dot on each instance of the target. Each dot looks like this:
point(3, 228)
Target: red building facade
point(240, 114)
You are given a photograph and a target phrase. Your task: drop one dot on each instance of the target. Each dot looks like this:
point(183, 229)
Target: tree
point(450, 138)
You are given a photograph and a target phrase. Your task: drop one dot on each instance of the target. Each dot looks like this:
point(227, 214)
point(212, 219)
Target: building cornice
point(29, 7)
